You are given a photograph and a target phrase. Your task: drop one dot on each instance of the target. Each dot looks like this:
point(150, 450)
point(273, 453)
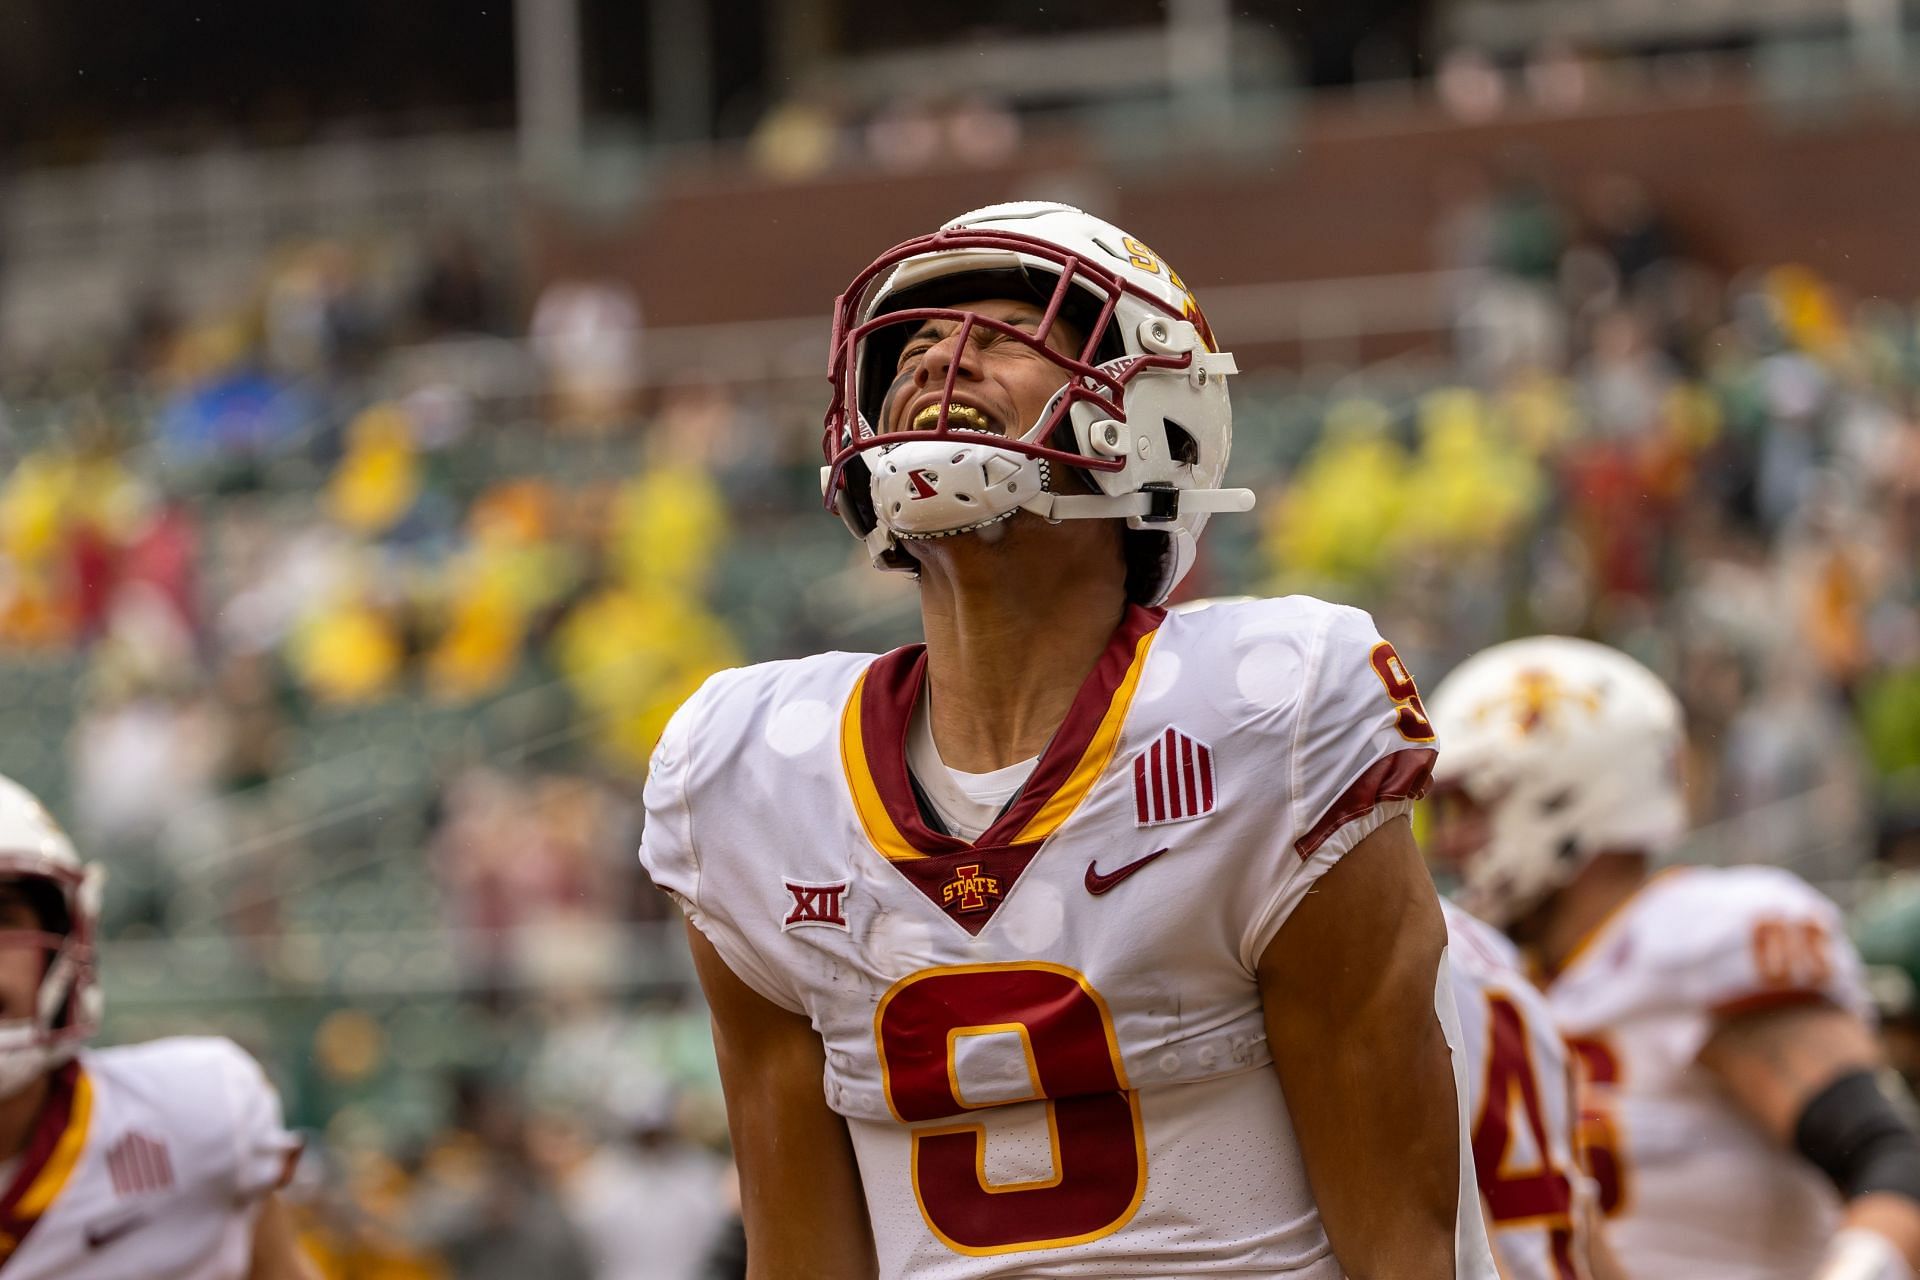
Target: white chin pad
point(929, 488)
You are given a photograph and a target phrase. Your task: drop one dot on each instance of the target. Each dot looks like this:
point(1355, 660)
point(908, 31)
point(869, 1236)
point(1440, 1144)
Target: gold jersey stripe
point(1094, 760)
point(872, 810)
point(66, 1155)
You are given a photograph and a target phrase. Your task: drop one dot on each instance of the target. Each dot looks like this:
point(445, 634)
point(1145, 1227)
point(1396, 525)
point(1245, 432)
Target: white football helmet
point(33, 849)
point(1569, 749)
point(1142, 414)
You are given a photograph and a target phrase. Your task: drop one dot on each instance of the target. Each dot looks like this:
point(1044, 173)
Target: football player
point(1734, 1125)
point(130, 1163)
point(1539, 1202)
point(1008, 937)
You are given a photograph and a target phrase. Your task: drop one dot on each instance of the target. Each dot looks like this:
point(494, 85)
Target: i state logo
point(969, 890)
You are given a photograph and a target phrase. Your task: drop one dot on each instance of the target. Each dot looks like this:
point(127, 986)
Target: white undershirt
point(966, 802)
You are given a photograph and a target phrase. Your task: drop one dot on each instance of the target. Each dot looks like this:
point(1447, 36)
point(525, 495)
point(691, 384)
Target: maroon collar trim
point(55, 1117)
point(891, 689)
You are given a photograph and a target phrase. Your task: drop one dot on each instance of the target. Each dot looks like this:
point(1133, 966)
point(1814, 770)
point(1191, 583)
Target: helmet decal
point(1537, 699)
point(1147, 260)
point(1191, 310)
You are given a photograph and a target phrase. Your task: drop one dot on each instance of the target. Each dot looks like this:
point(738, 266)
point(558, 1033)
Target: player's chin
point(987, 554)
point(987, 540)
point(1019, 529)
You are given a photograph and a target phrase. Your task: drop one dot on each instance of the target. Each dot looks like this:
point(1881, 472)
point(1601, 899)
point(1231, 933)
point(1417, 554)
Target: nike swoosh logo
point(102, 1234)
point(1098, 884)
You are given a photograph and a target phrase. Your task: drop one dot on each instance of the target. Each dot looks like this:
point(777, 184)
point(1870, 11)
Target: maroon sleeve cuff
point(1404, 775)
point(1761, 1001)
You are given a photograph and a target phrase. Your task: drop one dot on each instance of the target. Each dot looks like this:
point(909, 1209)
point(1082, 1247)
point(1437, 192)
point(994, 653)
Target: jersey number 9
point(1099, 1158)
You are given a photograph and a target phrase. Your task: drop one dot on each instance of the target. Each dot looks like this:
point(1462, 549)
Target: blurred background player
point(1540, 1204)
point(1718, 1013)
point(1046, 933)
point(143, 1160)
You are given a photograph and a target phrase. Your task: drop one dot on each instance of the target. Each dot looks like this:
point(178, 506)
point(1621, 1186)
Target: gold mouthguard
point(958, 415)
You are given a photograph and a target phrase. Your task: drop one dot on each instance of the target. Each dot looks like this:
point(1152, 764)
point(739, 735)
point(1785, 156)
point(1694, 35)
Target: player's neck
point(1581, 909)
point(19, 1113)
point(1010, 638)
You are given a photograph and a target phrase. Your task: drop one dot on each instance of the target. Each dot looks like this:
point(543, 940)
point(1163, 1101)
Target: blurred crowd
point(816, 130)
point(600, 1159)
point(331, 652)
point(350, 614)
point(1718, 474)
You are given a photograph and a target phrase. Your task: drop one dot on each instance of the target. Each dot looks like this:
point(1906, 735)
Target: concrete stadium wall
point(1354, 191)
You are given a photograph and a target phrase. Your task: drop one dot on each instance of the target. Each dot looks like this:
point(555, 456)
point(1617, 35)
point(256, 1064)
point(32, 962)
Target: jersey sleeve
point(1365, 748)
point(264, 1150)
point(678, 787)
point(1361, 752)
point(666, 841)
point(1768, 939)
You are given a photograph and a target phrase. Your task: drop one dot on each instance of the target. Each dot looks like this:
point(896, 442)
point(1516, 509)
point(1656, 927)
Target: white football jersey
point(1524, 1106)
point(1048, 1044)
point(151, 1164)
point(1691, 1186)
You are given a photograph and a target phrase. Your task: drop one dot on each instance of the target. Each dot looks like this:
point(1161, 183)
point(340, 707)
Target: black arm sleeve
point(1853, 1133)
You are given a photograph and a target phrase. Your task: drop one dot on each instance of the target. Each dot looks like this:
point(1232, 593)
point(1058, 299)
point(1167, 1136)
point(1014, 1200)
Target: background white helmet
point(1570, 749)
point(1143, 415)
point(35, 850)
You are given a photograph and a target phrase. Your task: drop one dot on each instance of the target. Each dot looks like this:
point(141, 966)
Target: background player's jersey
point(1523, 1107)
point(1690, 1185)
point(1048, 1044)
point(164, 1153)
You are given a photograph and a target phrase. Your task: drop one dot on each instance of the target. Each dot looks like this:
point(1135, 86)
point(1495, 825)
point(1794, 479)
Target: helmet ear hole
point(1181, 445)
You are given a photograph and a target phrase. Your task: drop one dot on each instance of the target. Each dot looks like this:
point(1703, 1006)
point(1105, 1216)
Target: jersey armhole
point(1273, 913)
point(265, 1151)
point(289, 1164)
point(740, 959)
